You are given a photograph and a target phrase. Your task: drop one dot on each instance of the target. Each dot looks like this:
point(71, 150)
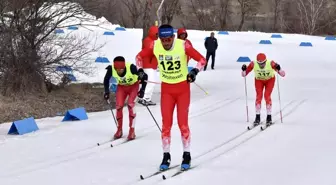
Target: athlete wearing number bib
point(173, 64)
point(264, 79)
point(128, 86)
point(172, 55)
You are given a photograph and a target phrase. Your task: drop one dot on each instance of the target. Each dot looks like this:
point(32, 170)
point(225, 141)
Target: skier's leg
point(259, 87)
point(150, 86)
point(268, 97)
point(167, 110)
point(183, 102)
point(120, 100)
point(133, 91)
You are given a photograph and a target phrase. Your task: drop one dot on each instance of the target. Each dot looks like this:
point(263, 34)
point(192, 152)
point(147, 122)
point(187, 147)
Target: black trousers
point(213, 56)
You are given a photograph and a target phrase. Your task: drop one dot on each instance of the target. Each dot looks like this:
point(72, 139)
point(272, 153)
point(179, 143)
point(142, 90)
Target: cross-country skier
point(127, 76)
point(149, 66)
point(172, 57)
point(264, 79)
point(182, 34)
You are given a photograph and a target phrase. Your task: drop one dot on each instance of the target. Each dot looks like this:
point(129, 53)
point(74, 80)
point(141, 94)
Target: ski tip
point(141, 177)
point(163, 177)
point(248, 128)
point(111, 145)
point(98, 144)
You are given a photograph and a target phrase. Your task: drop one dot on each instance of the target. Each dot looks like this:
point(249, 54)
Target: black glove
point(244, 67)
point(107, 95)
point(141, 93)
point(191, 77)
point(142, 75)
point(277, 66)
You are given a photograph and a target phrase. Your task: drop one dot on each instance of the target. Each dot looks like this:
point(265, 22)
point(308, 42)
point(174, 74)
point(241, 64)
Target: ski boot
point(268, 120)
point(131, 134)
point(150, 103)
point(257, 120)
point(142, 102)
point(165, 161)
point(118, 134)
point(186, 161)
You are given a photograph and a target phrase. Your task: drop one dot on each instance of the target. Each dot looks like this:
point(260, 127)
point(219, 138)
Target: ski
point(104, 142)
point(111, 140)
point(250, 127)
point(157, 172)
point(179, 172)
point(266, 125)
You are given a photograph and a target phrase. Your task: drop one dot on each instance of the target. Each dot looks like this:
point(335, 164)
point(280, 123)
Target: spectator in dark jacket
point(211, 45)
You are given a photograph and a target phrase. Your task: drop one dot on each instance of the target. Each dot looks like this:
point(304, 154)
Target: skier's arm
point(145, 52)
point(107, 77)
point(249, 68)
point(194, 54)
point(147, 43)
point(277, 68)
point(136, 71)
point(190, 45)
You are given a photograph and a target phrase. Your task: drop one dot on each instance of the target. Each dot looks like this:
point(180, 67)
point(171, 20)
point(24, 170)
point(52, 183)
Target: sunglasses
point(168, 39)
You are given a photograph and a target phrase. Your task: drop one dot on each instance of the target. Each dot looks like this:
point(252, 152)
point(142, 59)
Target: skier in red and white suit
point(182, 34)
point(149, 66)
point(172, 55)
point(264, 78)
point(128, 77)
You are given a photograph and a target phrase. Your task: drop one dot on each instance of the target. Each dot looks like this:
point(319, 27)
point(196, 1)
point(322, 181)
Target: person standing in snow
point(172, 56)
point(211, 46)
point(182, 34)
point(127, 76)
point(149, 66)
point(264, 79)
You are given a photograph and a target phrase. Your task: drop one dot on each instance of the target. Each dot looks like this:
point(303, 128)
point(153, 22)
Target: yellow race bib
point(173, 64)
point(263, 74)
point(128, 79)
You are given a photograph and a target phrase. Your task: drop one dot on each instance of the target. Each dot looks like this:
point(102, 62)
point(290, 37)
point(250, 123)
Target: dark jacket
point(211, 44)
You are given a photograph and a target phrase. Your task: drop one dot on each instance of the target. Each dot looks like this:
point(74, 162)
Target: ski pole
point(201, 88)
point(247, 116)
point(153, 117)
point(279, 97)
point(115, 120)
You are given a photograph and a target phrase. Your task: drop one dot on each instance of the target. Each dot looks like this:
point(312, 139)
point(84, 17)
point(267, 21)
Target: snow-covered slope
point(298, 151)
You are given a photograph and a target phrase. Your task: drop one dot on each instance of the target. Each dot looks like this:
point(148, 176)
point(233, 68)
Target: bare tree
point(276, 9)
point(135, 9)
point(30, 51)
point(310, 12)
point(247, 8)
point(170, 8)
point(146, 18)
point(223, 13)
point(313, 14)
point(203, 11)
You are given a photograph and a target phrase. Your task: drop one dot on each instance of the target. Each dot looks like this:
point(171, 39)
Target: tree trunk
point(241, 22)
point(146, 20)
